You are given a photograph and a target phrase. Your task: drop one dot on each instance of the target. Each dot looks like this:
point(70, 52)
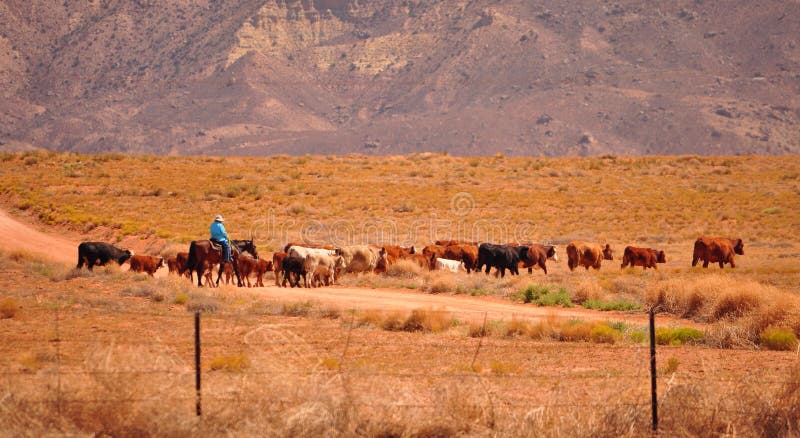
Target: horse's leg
point(236, 271)
point(219, 273)
point(199, 271)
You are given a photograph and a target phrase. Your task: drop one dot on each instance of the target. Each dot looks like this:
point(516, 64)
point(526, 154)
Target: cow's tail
point(191, 262)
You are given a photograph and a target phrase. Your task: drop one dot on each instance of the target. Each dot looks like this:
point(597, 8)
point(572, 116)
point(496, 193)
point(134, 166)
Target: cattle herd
point(316, 265)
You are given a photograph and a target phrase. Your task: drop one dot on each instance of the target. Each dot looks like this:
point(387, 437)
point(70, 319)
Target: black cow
point(293, 271)
point(502, 257)
point(99, 253)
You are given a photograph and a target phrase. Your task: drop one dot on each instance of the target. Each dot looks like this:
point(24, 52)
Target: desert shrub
point(330, 363)
point(778, 338)
point(203, 303)
point(140, 291)
point(516, 327)
point(543, 295)
point(403, 269)
point(236, 362)
point(181, 298)
point(610, 305)
point(603, 334)
point(476, 330)
point(671, 366)
point(575, 330)
point(423, 320)
point(501, 368)
point(440, 282)
point(587, 290)
point(677, 336)
point(299, 308)
point(8, 308)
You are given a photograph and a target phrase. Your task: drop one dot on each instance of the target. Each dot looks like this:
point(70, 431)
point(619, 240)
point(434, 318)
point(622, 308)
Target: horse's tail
point(192, 261)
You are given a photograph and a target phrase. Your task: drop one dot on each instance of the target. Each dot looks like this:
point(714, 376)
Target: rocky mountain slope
point(477, 77)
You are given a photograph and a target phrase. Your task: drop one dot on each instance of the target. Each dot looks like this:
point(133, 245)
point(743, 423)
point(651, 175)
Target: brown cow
point(262, 267)
point(538, 255)
point(277, 265)
point(422, 260)
point(172, 265)
point(455, 242)
point(462, 252)
point(587, 255)
point(436, 250)
point(145, 263)
point(716, 250)
point(394, 253)
point(181, 258)
point(246, 265)
point(644, 257)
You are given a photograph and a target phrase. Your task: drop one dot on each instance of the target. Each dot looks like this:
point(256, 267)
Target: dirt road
point(22, 236)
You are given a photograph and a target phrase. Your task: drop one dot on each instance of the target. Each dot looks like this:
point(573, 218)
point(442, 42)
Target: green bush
point(610, 305)
point(545, 296)
point(605, 334)
point(775, 338)
point(677, 336)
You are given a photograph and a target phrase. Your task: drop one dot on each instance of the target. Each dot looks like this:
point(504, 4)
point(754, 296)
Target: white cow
point(362, 258)
point(449, 265)
point(312, 258)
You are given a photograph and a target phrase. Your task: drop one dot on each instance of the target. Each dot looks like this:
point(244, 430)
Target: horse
point(201, 252)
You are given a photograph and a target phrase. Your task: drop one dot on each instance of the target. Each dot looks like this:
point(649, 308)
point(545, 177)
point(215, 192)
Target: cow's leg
point(721, 264)
point(80, 262)
point(733, 265)
point(542, 265)
point(694, 261)
point(705, 263)
point(90, 262)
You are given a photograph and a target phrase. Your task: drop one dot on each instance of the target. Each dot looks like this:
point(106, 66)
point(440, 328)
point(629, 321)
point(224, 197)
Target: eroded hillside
point(254, 77)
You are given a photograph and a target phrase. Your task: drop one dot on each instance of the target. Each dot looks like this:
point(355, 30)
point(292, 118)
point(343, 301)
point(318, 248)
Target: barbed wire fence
point(177, 366)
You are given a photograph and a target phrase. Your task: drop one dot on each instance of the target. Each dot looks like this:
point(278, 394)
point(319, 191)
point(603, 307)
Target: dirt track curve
point(21, 236)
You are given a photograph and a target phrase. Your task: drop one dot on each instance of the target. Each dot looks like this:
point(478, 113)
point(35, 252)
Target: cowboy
point(220, 236)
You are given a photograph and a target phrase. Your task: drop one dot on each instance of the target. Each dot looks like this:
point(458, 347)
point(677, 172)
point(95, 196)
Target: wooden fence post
point(198, 405)
point(653, 396)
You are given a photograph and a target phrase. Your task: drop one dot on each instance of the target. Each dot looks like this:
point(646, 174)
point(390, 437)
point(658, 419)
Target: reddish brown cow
point(455, 242)
point(277, 265)
point(246, 265)
point(537, 256)
point(181, 258)
point(262, 267)
point(172, 265)
point(394, 253)
point(644, 257)
point(462, 252)
point(587, 255)
point(716, 250)
point(145, 263)
point(436, 250)
point(422, 260)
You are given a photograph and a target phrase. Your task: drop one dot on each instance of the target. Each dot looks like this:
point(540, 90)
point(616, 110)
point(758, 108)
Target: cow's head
point(160, 262)
point(125, 256)
point(552, 253)
point(738, 246)
point(383, 263)
point(339, 266)
point(661, 257)
point(608, 253)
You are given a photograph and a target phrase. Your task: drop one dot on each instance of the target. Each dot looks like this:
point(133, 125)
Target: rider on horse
point(220, 236)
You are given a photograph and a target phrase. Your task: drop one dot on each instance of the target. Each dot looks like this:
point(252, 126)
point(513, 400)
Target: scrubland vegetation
point(298, 367)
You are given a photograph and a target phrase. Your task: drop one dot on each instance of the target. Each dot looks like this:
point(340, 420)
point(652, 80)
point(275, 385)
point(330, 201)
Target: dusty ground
point(108, 357)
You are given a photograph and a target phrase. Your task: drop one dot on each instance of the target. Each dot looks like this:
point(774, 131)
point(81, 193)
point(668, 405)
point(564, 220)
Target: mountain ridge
point(262, 77)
